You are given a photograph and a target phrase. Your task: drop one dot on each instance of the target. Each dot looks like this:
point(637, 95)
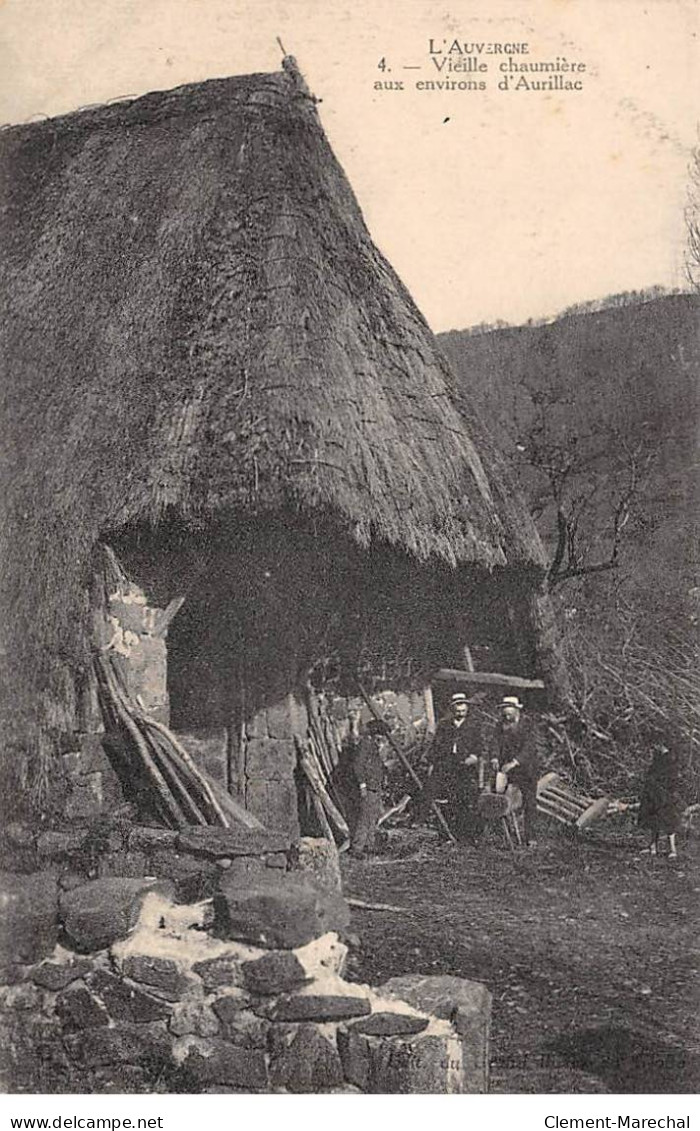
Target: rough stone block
point(318, 1007)
point(125, 1001)
point(390, 1025)
point(56, 976)
point(280, 912)
point(240, 1026)
point(234, 842)
point(10, 974)
point(133, 864)
point(318, 858)
point(220, 972)
point(89, 757)
point(305, 1061)
point(119, 1080)
point(29, 912)
point(218, 1062)
point(143, 838)
point(276, 860)
point(78, 1009)
point(287, 718)
point(273, 759)
point(194, 880)
point(55, 845)
point(274, 803)
point(86, 797)
point(466, 1005)
point(256, 726)
point(243, 870)
point(193, 1017)
point(145, 1045)
point(103, 911)
point(275, 973)
point(161, 975)
point(22, 997)
point(132, 617)
point(425, 1065)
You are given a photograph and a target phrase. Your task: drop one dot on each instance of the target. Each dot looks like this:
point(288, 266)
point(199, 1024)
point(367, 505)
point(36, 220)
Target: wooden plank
point(553, 813)
point(429, 708)
point(573, 814)
point(554, 803)
point(548, 779)
point(598, 809)
point(487, 679)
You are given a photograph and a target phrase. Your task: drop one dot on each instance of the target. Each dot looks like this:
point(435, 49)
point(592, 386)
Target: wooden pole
point(407, 765)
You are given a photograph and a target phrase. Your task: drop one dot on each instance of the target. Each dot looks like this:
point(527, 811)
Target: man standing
point(456, 771)
point(516, 753)
point(369, 772)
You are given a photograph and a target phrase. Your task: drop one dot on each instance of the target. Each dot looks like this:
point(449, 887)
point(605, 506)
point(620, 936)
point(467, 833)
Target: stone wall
point(115, 984)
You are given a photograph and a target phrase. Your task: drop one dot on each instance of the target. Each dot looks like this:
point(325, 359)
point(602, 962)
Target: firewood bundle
point(158, 767)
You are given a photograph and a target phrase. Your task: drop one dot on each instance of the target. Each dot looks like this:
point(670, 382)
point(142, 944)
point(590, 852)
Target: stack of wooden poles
point(179, 793)
point(318, 754)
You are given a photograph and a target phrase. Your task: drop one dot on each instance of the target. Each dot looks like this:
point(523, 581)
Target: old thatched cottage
point(215, 388)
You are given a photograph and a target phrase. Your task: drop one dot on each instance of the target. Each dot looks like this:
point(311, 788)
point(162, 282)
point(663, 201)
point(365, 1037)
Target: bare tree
point(693, 222)
point(585, 483)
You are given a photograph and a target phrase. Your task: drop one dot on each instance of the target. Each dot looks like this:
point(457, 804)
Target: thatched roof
point(195, 320)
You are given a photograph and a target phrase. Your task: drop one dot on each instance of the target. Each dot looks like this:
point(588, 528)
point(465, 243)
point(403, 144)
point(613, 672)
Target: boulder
point(304, 1060)
point(103, 911)
point(279, 911)
point(275, 973)
point(466, 1005)
point(29, 912)
point(318, 858)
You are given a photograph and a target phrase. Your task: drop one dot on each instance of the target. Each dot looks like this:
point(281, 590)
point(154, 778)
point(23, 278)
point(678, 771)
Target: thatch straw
point(195, 320)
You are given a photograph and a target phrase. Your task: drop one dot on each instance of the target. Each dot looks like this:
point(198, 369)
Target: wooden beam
point(487, 679)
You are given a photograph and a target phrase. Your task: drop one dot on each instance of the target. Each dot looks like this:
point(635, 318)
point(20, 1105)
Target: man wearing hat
point(516, 754)
point(368, 767)
point(456, 770)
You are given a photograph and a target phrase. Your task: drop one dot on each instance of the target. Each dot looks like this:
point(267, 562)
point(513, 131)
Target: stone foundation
point(116, 984)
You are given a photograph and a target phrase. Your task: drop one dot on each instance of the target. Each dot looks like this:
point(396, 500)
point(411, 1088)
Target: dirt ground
point(589, 947)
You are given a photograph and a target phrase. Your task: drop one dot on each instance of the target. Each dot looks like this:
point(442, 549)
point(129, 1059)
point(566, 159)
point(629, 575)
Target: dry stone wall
point(122, 983)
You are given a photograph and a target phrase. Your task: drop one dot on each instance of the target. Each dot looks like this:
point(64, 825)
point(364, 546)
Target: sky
point(492, 205)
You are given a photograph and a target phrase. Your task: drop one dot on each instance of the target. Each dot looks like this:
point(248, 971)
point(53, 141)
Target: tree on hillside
point(585, 477)
point(693, 222)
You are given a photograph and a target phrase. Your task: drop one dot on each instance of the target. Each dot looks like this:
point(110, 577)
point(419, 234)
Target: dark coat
point(451, 746)
point(519, 743)
point(368, 765)
point(660, 806)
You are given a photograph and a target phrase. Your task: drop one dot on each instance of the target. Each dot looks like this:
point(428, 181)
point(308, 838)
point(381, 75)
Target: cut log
point(593, 812)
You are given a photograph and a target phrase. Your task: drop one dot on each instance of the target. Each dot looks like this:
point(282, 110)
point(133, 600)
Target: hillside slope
point(623, 377)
